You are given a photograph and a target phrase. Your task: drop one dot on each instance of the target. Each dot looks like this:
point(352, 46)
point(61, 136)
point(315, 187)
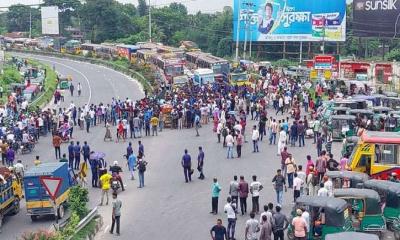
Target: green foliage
point(142, 8)
point(282, 63)
point(10, 75)
point(85, 231)
point(78, 199)
point(18, 18)
point(70, 228)
point(393, 55)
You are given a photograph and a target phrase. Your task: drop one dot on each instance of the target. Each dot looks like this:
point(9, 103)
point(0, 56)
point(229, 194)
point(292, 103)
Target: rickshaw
point(346, 179)
point(392, 102)
point(352, 104)
point(351, 236)
point(348, 145)
point(337, 216)
point(380, 110)
point(366, 213)
point(370, 100)
point(342, 126)
point(376, 154)
point(64, 82)
point(390, 197)
point(340, 110)
point(362, 112)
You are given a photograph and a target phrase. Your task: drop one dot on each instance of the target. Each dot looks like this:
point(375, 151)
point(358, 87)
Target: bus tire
point(34, 218)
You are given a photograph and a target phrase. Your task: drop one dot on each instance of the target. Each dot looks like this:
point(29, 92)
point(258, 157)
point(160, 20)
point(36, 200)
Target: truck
point(38, 201)
point(9, 196)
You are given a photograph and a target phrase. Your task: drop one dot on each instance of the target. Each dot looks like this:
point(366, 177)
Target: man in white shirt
point(297, 183)
point(255, 137)
point(328, 185)
point(229, 143)
point(322, 192)
point(230, 210)
point(302, 175)
point(306, 217)
point(252, 227)
point(255, 188)
point(282, 140)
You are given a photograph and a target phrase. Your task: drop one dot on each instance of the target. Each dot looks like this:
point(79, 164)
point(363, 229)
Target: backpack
point(224, 132)
point(142, 166)
point(315, 180)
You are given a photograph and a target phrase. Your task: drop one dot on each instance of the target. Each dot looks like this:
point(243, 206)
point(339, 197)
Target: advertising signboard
point(323, 62)
point(290, 20)
point(50, 20)
point(376, 18)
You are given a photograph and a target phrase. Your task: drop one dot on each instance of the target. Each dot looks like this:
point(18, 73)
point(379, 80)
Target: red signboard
point(350, 69)
point(323, 59)
point(383, 71)
point(52, 185)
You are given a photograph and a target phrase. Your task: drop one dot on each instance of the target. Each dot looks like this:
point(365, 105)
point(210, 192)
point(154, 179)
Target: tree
point(18, 18)
point(142, 8)
point(68, 9)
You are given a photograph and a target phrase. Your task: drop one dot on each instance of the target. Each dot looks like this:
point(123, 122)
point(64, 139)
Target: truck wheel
point(16, 207)
point(60, 212)
point(34, 218)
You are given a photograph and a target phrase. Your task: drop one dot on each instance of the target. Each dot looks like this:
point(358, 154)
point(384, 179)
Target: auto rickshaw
point(390, 94)
point(337, 216)
point(371, 100)
point(376, 154)
point(390, 197)
point(351, 236)
point(340, 110)
point(366, 213)
point(362, 112)
point(348, 145)
point(64, 82)
point(352, 104)
point(381, 110)
point(346, 179)
point(392, 102)
point(342, 126)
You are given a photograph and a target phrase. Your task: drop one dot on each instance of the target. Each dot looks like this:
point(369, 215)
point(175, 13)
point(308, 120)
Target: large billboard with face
point(376, 18)
point(290, 20)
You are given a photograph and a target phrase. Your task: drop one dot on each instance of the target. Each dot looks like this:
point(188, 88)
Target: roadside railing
point(85, 221)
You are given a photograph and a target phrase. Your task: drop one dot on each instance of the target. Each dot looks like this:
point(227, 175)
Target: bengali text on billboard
point(376, 18)
point(50, 20)
point(290, 20)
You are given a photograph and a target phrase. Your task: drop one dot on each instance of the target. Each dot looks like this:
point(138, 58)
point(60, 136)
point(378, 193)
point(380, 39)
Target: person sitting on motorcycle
point(115, 170)
point(25, 138)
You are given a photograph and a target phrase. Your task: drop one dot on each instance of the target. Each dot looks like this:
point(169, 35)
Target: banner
point(50, 20)
point(290, 20)
point(376, 18)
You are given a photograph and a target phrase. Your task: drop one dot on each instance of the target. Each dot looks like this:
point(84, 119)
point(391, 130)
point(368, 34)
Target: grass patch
point(88, 229)
point(10, 75)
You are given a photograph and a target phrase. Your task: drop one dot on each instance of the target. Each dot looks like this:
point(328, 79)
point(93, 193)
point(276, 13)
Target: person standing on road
point(281, 224)
point(154, 125)
point(132, 164)
point(243, 194)
point(140, 149)
point(297, 183)
point(141, 166)
point(290, 169)
point(79, 88)
point(116, 213)
point(77, 155)
point(219, 231)
point(252, 228)
point(71, 155)
point(71, 89)
point(229, 143)
point(187, 166)
point(215, 191)
point(282, 140)
point(255, 136)
point(94, 167)
point(299, 226)
point(105, 183)
point(234, 190)
point(230, 210)
point(265, 229)
point(255, 188)
point(200, 163)
point(85, 151)
point(57, 145)
point(279, 182)
point(239, 143)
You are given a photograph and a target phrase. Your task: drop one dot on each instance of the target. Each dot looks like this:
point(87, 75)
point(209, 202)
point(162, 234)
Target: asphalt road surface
point(167, 208)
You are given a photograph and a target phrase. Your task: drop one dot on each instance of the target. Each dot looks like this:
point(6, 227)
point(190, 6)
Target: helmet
point(115, 163)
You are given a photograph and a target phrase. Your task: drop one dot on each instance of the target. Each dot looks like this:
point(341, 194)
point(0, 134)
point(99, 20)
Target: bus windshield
point(240, 77)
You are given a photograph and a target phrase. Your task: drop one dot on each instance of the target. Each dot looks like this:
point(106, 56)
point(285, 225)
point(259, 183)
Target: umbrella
point(97, 155)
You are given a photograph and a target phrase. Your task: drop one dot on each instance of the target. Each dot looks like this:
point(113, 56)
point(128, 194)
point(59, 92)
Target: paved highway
point(167, 208)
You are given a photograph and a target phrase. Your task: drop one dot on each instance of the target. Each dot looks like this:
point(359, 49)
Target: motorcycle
point(27, 147)
point(115, 185)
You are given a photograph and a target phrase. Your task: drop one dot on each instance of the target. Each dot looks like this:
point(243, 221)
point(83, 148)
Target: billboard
point(376, 18)
point(290, 20)
point(50, 20)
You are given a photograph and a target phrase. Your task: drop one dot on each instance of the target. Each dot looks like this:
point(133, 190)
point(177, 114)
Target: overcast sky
point(192, 5)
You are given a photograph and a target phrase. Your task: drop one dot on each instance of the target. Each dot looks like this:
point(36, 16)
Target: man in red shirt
point(56, 144)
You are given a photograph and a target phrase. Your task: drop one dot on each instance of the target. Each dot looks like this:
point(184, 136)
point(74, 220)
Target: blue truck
point(38, 201)
point(10, 194)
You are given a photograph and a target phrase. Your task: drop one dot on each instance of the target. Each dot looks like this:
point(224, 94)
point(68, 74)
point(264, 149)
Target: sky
point(192, 5)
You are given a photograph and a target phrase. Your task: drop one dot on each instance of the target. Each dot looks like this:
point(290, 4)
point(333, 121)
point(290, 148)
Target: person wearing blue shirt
point(94, 166)
point(132, 164)
point(71, 155)
point(215, 190)
point(85, 151)
point(77, 155)
point(141, 149)
point(187, 166)
point(129, 150)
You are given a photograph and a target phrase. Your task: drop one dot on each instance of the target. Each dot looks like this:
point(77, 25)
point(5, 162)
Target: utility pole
point(323, 36)
point(149, 21)
point(248, 27)
point(30, 22)
point(238, 33)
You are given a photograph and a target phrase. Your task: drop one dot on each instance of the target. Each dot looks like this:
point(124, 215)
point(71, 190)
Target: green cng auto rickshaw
point(389, 193)
point(365, 210)
point(351, 236)
point(340, 110)
point(361, 112)
point(333, 211)
point(382, 110)
point(347, 179)
point(348, 145)
point(342, 126)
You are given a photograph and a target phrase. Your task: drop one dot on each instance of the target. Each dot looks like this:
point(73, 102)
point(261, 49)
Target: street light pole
point(30, 22)
point(149, 21)
point(237, 33)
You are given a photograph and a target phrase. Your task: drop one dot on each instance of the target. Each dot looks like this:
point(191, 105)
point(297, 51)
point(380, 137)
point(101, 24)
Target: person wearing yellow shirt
point(37, 161)
point(105, 183)
point(83, 169)
point(154, 124)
